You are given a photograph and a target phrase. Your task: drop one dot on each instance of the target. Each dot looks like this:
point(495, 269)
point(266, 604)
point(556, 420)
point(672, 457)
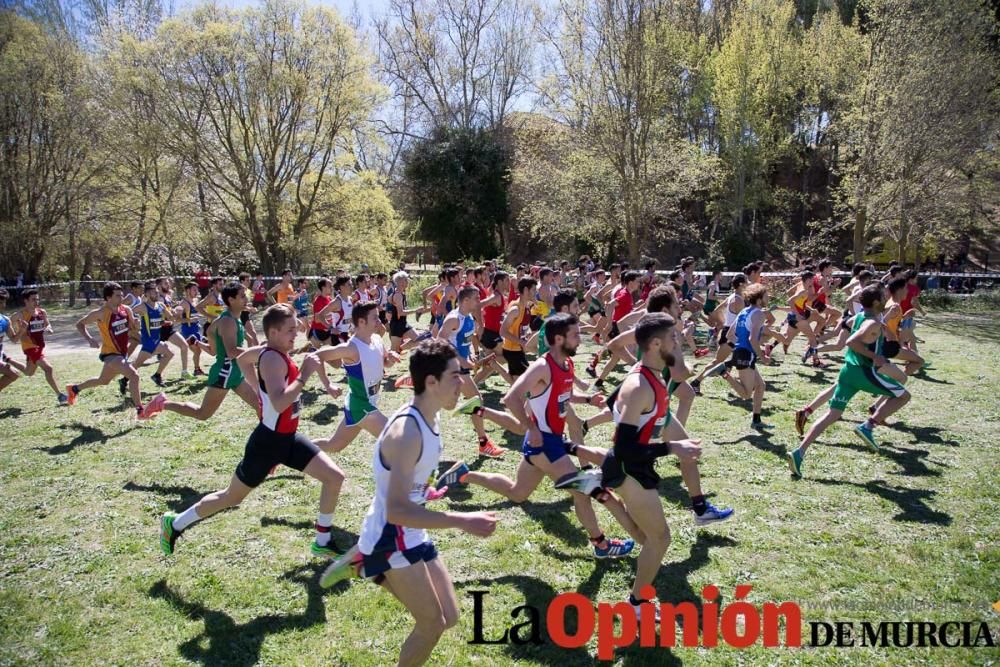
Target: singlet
point(817, 286)
point(301, 301)
point(321, 302)
point(259, 291)
point(286, 421)
point(114, 326)
point(376, 523)
point(285, 294)
point(216, 309)
point(4, 328)
point(382, 297)
point(364, 379)
point(623, 305)
point(851, 357)
point(912, 292)
point(346, 308)
point(892, 323)
point(515, 330)
point(131, 300)
point(493, 314)
point(390, 308)
point(150, 323)
point(361, 296)
point(461, 338)
point(650, 423)
point(220, 347)
point(743, 328)
point(541, 308)
point(36, 330)
point(730, 316)
point(799, 303)
point(191, 316)
point(548, 409)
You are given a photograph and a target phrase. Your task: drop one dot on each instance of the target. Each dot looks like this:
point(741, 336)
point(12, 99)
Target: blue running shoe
point(453, 475)
point(616, 549)
point(713, 514)
point(795, 461)
point(864, 432)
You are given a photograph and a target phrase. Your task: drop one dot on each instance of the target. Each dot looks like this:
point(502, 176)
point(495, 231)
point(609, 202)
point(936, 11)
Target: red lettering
point(710, 617)
point(607, 640)
point(793, 623)
point(555, 620)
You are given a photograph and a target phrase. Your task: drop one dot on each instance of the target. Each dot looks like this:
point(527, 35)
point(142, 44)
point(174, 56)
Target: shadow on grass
point(185, 496)
point(761, 441)
point(344, 538)
point(930, 435)
point(910, 460)
point(980, 326)
point(223, 641)
point(88, 436)
point(911, 502)
point(555, 518)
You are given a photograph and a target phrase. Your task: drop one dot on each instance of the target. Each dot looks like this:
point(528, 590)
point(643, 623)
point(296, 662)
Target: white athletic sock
point(323, 524)
point(186, 518)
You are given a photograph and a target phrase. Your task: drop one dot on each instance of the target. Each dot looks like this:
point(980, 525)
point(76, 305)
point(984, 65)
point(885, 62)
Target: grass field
point(911, 534)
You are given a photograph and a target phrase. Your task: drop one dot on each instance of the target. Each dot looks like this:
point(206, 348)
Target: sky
point(368, 7)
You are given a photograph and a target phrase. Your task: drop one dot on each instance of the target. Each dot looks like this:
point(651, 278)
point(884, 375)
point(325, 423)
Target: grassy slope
point(907, 535)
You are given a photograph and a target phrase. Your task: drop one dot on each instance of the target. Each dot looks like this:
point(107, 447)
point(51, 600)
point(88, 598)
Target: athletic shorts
point(342, 336)
point(710, 307)
point(398, 327)
point(166, 331)
point(110, 356)
point(744, 359)
point(259, 302)
point(845, 321)
point(382, 317)
point(244, 318)
point(552, 446)
point(149, 345)
point(593, 311)
point(357, 408)
point(35, 354)
point(301, 314)
point(793, 318)
point(517, 362)
point(536, 323)
point(724, 336)
point(387, 556)
point(853, 379)
point(614, 472)
point(322, 335)
point(490, 339)
point(191, 333)
point(890, 349)
point(266, 449)
point(820, 306)
point(225, 375)
point(615, 332)
point(907, 323)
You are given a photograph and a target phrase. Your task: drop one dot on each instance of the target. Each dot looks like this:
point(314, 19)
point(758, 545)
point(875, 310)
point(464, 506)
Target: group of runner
point(485, 322)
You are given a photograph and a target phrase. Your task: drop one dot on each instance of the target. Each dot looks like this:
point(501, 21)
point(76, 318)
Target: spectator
point(204, 279)
point(932, 282)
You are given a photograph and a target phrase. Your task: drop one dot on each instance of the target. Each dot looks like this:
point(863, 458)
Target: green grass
point(907, 535)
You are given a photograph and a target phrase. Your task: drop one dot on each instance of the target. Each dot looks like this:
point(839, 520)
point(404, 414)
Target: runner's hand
point(534, 437)
point(391, 359)
point(94, 344)
point(688, 449)
point(481, 524)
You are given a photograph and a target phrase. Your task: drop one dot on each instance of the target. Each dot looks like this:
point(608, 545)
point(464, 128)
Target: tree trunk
point(860, 218)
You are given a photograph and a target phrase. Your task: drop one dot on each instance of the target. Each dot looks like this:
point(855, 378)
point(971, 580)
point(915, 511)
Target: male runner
point(150, 314)
point(8, 367)
point(191, 325)
point(512, 328)
point(31, 323)
point(401, 335)
point(276, 440)
point(394, 548)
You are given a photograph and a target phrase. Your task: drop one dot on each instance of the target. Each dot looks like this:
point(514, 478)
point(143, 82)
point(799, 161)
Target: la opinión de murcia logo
point(572, 619)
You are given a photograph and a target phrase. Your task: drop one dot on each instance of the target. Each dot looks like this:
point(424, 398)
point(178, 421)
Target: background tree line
point(283, 133)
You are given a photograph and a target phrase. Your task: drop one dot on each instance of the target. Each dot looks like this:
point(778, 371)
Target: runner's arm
point(537, 373)
point(227, 332)
point(273, 371)
point(81, 324)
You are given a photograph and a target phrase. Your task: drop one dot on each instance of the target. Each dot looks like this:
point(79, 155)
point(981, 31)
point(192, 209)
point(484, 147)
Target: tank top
point(220, 347)
point(36, 330)
point(285, 294)
point(650, 423)
point(286, 421)
point(151, 321)
point(730, 318)
point(382, 297)
point(390, 308)
point(364, 379)
point(346, 308)
point(493, 314)
point(259, 291)
point(216, 309)
point(817, 286)
point(851, 357)
point(799, 303)
point(461, 338)
point(892, 323)
point(548, 409)
point(515, 330)
point(376, 525)
point(743, 332)
point(114, 326)
point(361, 296)
point(191, 315)
point(321, 302)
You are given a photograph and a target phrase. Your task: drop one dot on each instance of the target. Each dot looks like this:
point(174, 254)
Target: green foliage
point(455, 185)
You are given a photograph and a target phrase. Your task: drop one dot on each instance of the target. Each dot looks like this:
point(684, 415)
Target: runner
point(165, 285)
point(150, 314)
point(227, 339)
point(910, 303)
point(493, 308)
point(246, 317)
point(851, 308)
point(276, 440)
point(113, 321)
point(284, 291)
point(401, 335)
point(623, 304)
point(191, 324)
point(862, 371)
point(394, 548)
point(8, 366)
point(259, 290)
point(512, 328)
point(458, 328)
point(730, 308)
point(365, 359)
point(31, 323)
point(342, 309)
point(548, 384)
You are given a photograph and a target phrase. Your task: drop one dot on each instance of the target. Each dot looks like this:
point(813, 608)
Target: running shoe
point(424, 336)
point(434, 494)
point(168, 536)
point(637, 607)
point(591, 371)
point(713, 514)
point(795, 461)
point(717, 369)
point(71, 395)
point(616, 549)
point(491, 450)
point(186, 375)
point(63, 399)
point(453, 475)
point(155, 405)
point(759, 426)
point(344, 567)
point(329, 550)
point(864, 432)
point(198, 372)
point(157, 379)
point(585, 481)
point(470, 406)
point(403, 381)
point(808, 353)
point(699, 353)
